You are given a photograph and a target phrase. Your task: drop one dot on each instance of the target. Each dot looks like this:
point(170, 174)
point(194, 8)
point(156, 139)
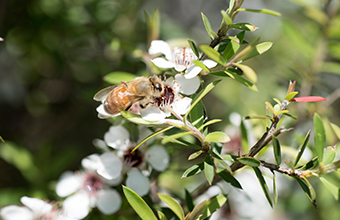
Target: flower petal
point(109, 201)
point(68, 183)
point(36, 205)
point(111, 166)
point(77, 206)
point(102, 113)
point(209, 63)
point(117, 137)
point(137, 182)
point(180, 68)
point(182, 106)
point(14, 212)
point(192, 71)
point(187, 86)
point(153, 113)
point(163, 63)
point(157, 157)
point(115, 181)
point(91, 162)
point(159, 46)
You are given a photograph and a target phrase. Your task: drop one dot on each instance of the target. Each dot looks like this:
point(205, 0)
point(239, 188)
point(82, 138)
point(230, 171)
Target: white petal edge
point(163, 63)
point(117, 137)
point(192, 71)
point(111, 166)
point(77, 206)
point(109, 201)
point(102, 113)
point(153, 113)
point(14, 212)
point(137, 182)
point(91, 162)
point(187, 86)
point(159, 46)
point(68, 183)
point(157, 157)
point(180, 68)
point(182, 106)
point(36, 205)
point(209, 63)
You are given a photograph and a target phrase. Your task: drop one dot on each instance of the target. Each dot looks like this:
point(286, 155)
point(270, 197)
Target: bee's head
point(157, 84)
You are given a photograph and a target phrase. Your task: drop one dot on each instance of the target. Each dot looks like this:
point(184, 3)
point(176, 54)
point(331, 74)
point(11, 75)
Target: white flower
point(179, 58)
point(132, 162)
point(35, 209)
point(172, 98)
point(87, 189)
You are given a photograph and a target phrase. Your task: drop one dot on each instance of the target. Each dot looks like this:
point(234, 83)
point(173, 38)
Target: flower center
point(167, 98)
point(92, 183)
point(183, 56)
point(133, 159)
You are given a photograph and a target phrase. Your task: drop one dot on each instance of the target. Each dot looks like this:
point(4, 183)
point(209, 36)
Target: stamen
point(183, 56)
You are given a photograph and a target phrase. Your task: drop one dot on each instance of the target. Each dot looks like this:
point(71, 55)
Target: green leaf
point(185, 144)
point(174, 136)
point(262, 11)
point(217, 137)
point(243, 26)
point(259, 49)
point(195, 155)
point(277, 101)
point(197, 114)
point(228, 73)
point(250, 161)
point(233, 46)
point(244, 133)
point(118, 77)
point(329, 155)
point(219, 159)
point(226, 18)
point(173, 204)
point(209, 123)
point(139, 205)
point(151, 136)
point(307, 188)
point(200, 64)
point(246, 51)
point(213, 54)
point(319, 136)
point(189, 201)
point(277, 150)
point(336, 130)
point(161, 215)
point(193, 47)
point(291, 95)
point(209, 169)
point(275, 195)
point(249, 72)
point(195, 169)
point(226, 176)
point(215, 204)
point(198, 210)
point(153, 25)
point(200, 95)
point(332, 188)
point(263, 185)
point(302, 148)
point(136, 118)
point(208, 27)
point(270, 107)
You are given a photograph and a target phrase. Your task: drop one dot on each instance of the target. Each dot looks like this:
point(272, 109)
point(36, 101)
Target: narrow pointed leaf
point(193, 47)
point(291, 95)
point(246, 51)
point(215, 204)
point(263, 185)
point(243, 26)
point(175, 136)
point(139, 205)
point(136, 118)
point(302, 148)
point(270, 107)
point(209, 169)
point(198, 211)
point(195, 169)
point(238, 78)
point(308, 99)
point(185, 144)
point(207, 26)
point(226, 176)
point(336, 130)
point(259, 49)
point(233, 46)
point(161, 215)
point(213, 54)
point(282, 112)
point(248, 72)
point(197, 114)
point(244, 133)
point(277, 101)
point(218, 159)
point(319, 136)
point(217, 137)
point(250, 161)
point(118, 77)
point(195, 155)
point(275, 195)
point(277, 150)
point(329, 155)
point(173, 205)
point(332, 188)
point(226, 18)
point(189, 201)
point(200, 64)
point(262, 11)
point(209, 123)
point(308, 191)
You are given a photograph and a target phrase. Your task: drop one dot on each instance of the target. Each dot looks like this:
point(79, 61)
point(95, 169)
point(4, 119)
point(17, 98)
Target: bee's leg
point(143, 106)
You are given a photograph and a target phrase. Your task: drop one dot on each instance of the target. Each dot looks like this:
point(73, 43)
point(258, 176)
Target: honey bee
point(121, 97)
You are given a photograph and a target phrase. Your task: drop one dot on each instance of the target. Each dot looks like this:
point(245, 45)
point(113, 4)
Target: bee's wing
point(102, 94)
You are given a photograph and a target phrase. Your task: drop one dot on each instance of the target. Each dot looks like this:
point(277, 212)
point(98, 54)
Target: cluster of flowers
point(93, 185)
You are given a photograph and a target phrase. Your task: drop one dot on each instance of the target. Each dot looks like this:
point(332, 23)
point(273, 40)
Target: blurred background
point(56, 52)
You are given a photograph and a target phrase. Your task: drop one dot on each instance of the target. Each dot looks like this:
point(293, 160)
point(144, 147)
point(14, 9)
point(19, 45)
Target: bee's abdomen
point(110, 106)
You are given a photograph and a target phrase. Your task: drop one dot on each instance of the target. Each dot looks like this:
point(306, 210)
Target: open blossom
point(123, 161)
point(34, 209)
point(173, 88)
point(180, 58)
point(86, 189)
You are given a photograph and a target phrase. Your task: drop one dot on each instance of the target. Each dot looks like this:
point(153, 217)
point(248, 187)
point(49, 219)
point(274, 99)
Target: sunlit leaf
point(136, 118)
point(250, 161)
point(139, 205)
point(198, 211)
point(309, 191)
point(249, 72)
point(118, 77)
point(277, 150)
point(215, 204)
point(277, 101)
point(319, 136)
point(336, 130)
point(332, 188)
point(238, 78)
point(174, 136)
point(193, 47)
point(233, 46)
point(209, 170)
point(161, 215)
point(262, 11)
point(302, 148)
point(259, 49)
point(195, 155)
point(226, 18)
point(195, 169)
point(197, 114)
point(226, 176)
point(217, 137)
point(200, 64)
point(219, 160)
point(270, 107)
point(291, 95)
point(329, 155)
point(246, 51)
point(243, 26)
point(209, 123)
point(263, 185)
point(208, 27)
point(213, 54)
point(151, 136)
point(173, 204)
